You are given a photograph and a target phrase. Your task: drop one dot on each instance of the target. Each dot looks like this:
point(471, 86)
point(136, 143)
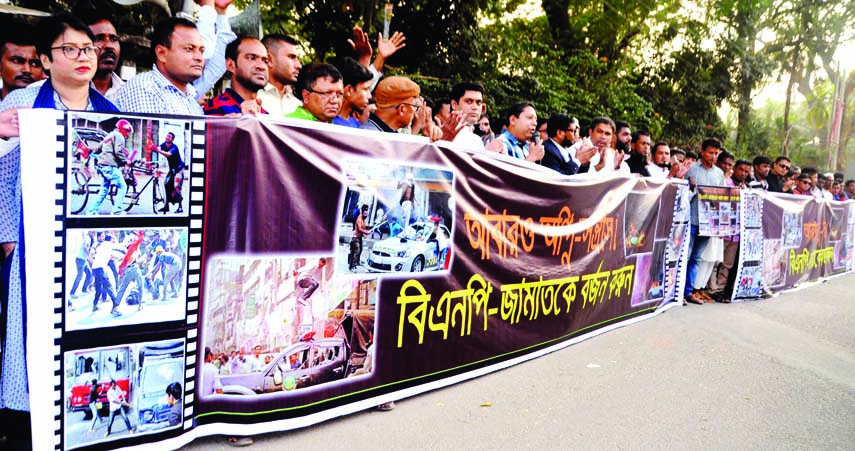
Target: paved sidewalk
point(776, 374)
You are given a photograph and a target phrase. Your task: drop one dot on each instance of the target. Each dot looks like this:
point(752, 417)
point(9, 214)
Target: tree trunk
point(785, 147)
point(743, 113)
point(847, 123)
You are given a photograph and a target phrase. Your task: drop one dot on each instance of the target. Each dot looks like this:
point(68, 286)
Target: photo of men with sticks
point(277, 324)
point(124, 165)
point(117, 277)
point(395, 219)
point(116, 392)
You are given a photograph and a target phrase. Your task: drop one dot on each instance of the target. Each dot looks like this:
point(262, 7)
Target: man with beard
point(212, 25)
point(556, 156)
point(19, 64)
point(572, 132)
point(662, 165)
point(639, 151)
point(246, 61)
point(595, 153)
point(624, 137)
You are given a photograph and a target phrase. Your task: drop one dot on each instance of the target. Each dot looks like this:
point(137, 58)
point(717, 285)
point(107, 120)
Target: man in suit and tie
point(556, 156)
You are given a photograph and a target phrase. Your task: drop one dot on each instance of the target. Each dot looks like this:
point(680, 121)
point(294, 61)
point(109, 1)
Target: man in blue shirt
point(522, 123)
point(704, 172)
point(357, 92)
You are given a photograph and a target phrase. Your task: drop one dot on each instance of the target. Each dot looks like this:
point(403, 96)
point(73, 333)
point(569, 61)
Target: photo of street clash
point(122, 165)
point(395, 218)
point(124, 276)
point(118, 391)
point(277, 324)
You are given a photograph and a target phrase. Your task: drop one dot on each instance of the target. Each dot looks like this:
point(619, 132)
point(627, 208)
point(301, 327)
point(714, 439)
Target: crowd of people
point(80, 55)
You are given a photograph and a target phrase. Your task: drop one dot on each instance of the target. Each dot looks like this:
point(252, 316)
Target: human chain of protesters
point(268, 78)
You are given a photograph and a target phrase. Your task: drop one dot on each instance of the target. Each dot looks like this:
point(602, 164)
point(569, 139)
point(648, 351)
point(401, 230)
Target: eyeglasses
point(329, 95)
point(416, 108)
point(804, 181)
point(73, 53)
point(785, 167)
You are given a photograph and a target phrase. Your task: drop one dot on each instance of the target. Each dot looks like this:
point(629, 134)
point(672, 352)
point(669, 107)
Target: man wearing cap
point(321, 88)
point(398, 106)
point(112, 156)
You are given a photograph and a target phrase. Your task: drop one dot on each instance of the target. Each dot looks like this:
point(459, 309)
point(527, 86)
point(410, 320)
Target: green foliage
point(665, 66)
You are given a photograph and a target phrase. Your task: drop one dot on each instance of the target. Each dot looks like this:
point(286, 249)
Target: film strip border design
point(850, 231)
point(194, 263)
point(59, 274)
point(194, 158)
point(683, 252)
point(746, 197)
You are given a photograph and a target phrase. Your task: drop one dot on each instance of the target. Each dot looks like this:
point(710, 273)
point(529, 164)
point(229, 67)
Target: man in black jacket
point(640, 149)
point(555, 155)
point(777, 179)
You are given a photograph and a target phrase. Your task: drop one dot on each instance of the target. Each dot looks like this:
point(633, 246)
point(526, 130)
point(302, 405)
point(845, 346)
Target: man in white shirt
point(212, 25)
point(277, 97)
point(704, 172)
point(117, 398)
point(594, 153)
point(257, 360)
point(662, 165)
point(467, 100)
point(210, 375)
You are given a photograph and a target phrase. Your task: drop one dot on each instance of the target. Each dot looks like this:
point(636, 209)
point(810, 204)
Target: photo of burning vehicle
point(277, 324)
point(138, 384)
point(395, 218)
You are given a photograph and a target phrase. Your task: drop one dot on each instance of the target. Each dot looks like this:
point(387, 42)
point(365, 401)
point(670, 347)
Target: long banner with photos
point(788, 240)
point(294, 272)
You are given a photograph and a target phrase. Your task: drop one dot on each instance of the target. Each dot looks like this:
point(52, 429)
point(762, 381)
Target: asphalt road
point(777, 374)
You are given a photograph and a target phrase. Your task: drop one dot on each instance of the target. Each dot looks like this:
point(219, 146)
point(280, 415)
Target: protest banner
point(327, 269)
point(718, 211)
point(787, 240)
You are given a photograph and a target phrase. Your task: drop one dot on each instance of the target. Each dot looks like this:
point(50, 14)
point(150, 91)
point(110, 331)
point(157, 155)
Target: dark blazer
point(553, 159)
